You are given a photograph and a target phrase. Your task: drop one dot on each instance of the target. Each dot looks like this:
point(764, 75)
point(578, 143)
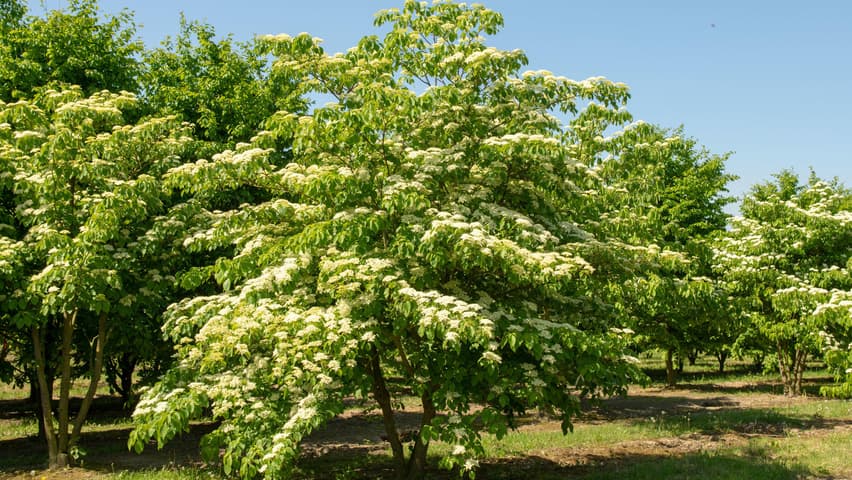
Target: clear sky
point(769, 80)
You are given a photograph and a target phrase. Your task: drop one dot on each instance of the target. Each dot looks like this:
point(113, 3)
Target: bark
point(417, 463)
point(127, 365)
point(382, 396)
point(97, 367)
point(35, 393)
point(692, 357)
point(791, 363)
point(722, 357)
point(671, 375)
point(68, 320)
point(801, 359)
point(47, 416)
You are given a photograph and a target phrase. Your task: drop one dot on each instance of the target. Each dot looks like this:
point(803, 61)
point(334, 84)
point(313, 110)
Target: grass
point(770, 421)
point(679, 433)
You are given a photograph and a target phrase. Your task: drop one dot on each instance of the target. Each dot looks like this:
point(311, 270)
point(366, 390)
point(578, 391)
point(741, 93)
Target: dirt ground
point(358, 433)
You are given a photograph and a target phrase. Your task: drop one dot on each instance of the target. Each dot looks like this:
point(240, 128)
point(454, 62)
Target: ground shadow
point(568, 464)
point(107, 450)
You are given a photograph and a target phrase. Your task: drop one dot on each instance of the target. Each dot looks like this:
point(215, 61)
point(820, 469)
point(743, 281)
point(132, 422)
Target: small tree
point(785, 263)
point(85, 188)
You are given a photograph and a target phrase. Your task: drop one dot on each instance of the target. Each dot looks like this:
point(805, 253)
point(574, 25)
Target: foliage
point(655, 188)
point(68, 48)
point(420, 241)
point(786, 263)
point(85, 190)
point(221, 87)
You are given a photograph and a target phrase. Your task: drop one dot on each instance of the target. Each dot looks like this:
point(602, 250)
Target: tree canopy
point(74, 47)
point(419, 239)
point(786, 262)
point(85, 189)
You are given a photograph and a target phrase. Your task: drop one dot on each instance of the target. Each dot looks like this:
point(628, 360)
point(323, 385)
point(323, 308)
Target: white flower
point(459, 450)
point(491, 357)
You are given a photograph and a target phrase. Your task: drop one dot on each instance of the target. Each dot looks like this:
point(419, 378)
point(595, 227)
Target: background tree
point(222, 87)
point(74, 47)
point(85, 188)
point(785, 261)
point(423, 226)
point(224, 90)
point(656, 189)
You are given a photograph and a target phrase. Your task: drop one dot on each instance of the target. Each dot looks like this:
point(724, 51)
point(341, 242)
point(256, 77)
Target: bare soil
point(346, 441)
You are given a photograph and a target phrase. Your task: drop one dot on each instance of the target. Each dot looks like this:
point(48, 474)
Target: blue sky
point(770, 81)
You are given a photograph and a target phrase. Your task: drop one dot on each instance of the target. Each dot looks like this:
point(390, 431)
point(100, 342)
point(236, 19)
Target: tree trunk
point(692, 357)
point(45, 396)
point(382, 396)
point(417, 462)
point(671, 375)
point(757, 361)
point(95, 377)
point(801, 359)
point(791, 364)
point(68, 320)
point(35, 393)
point(722, 357)
point(126, 367)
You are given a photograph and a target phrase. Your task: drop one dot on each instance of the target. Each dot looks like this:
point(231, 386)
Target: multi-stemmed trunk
point(413, 467)
point(60, 434)
point(722, 357)
point(791, 363)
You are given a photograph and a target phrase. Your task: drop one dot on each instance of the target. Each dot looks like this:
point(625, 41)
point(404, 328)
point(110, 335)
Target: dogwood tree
point(786, 264)
point(420, 240)
point(85, 188)
point(657, 189)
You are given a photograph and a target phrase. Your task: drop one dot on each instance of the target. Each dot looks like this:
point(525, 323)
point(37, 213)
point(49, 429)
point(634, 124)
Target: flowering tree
point(85, 188)
point(655, 188)
point(786, 262)
point(419, 239)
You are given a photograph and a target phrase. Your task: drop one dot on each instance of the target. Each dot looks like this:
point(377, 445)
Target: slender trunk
point(68, 320)
point(93, 381)
point(722, 357)
point(35, 394)
point(801, 358)
point(417, 462)
point(671, 376)
point(382, 396)
point(127, 365)
point(47, 415)
point(692, 357)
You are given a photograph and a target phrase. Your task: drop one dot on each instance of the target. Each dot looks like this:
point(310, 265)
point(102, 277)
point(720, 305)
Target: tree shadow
point(650, 466)
point(570, 464)
point(104, 408)
point(106, 450)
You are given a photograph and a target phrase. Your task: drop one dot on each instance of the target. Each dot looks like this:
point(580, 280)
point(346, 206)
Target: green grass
point(815, 414)
point(784, 458)
point(793, 441)
point(178, 473)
